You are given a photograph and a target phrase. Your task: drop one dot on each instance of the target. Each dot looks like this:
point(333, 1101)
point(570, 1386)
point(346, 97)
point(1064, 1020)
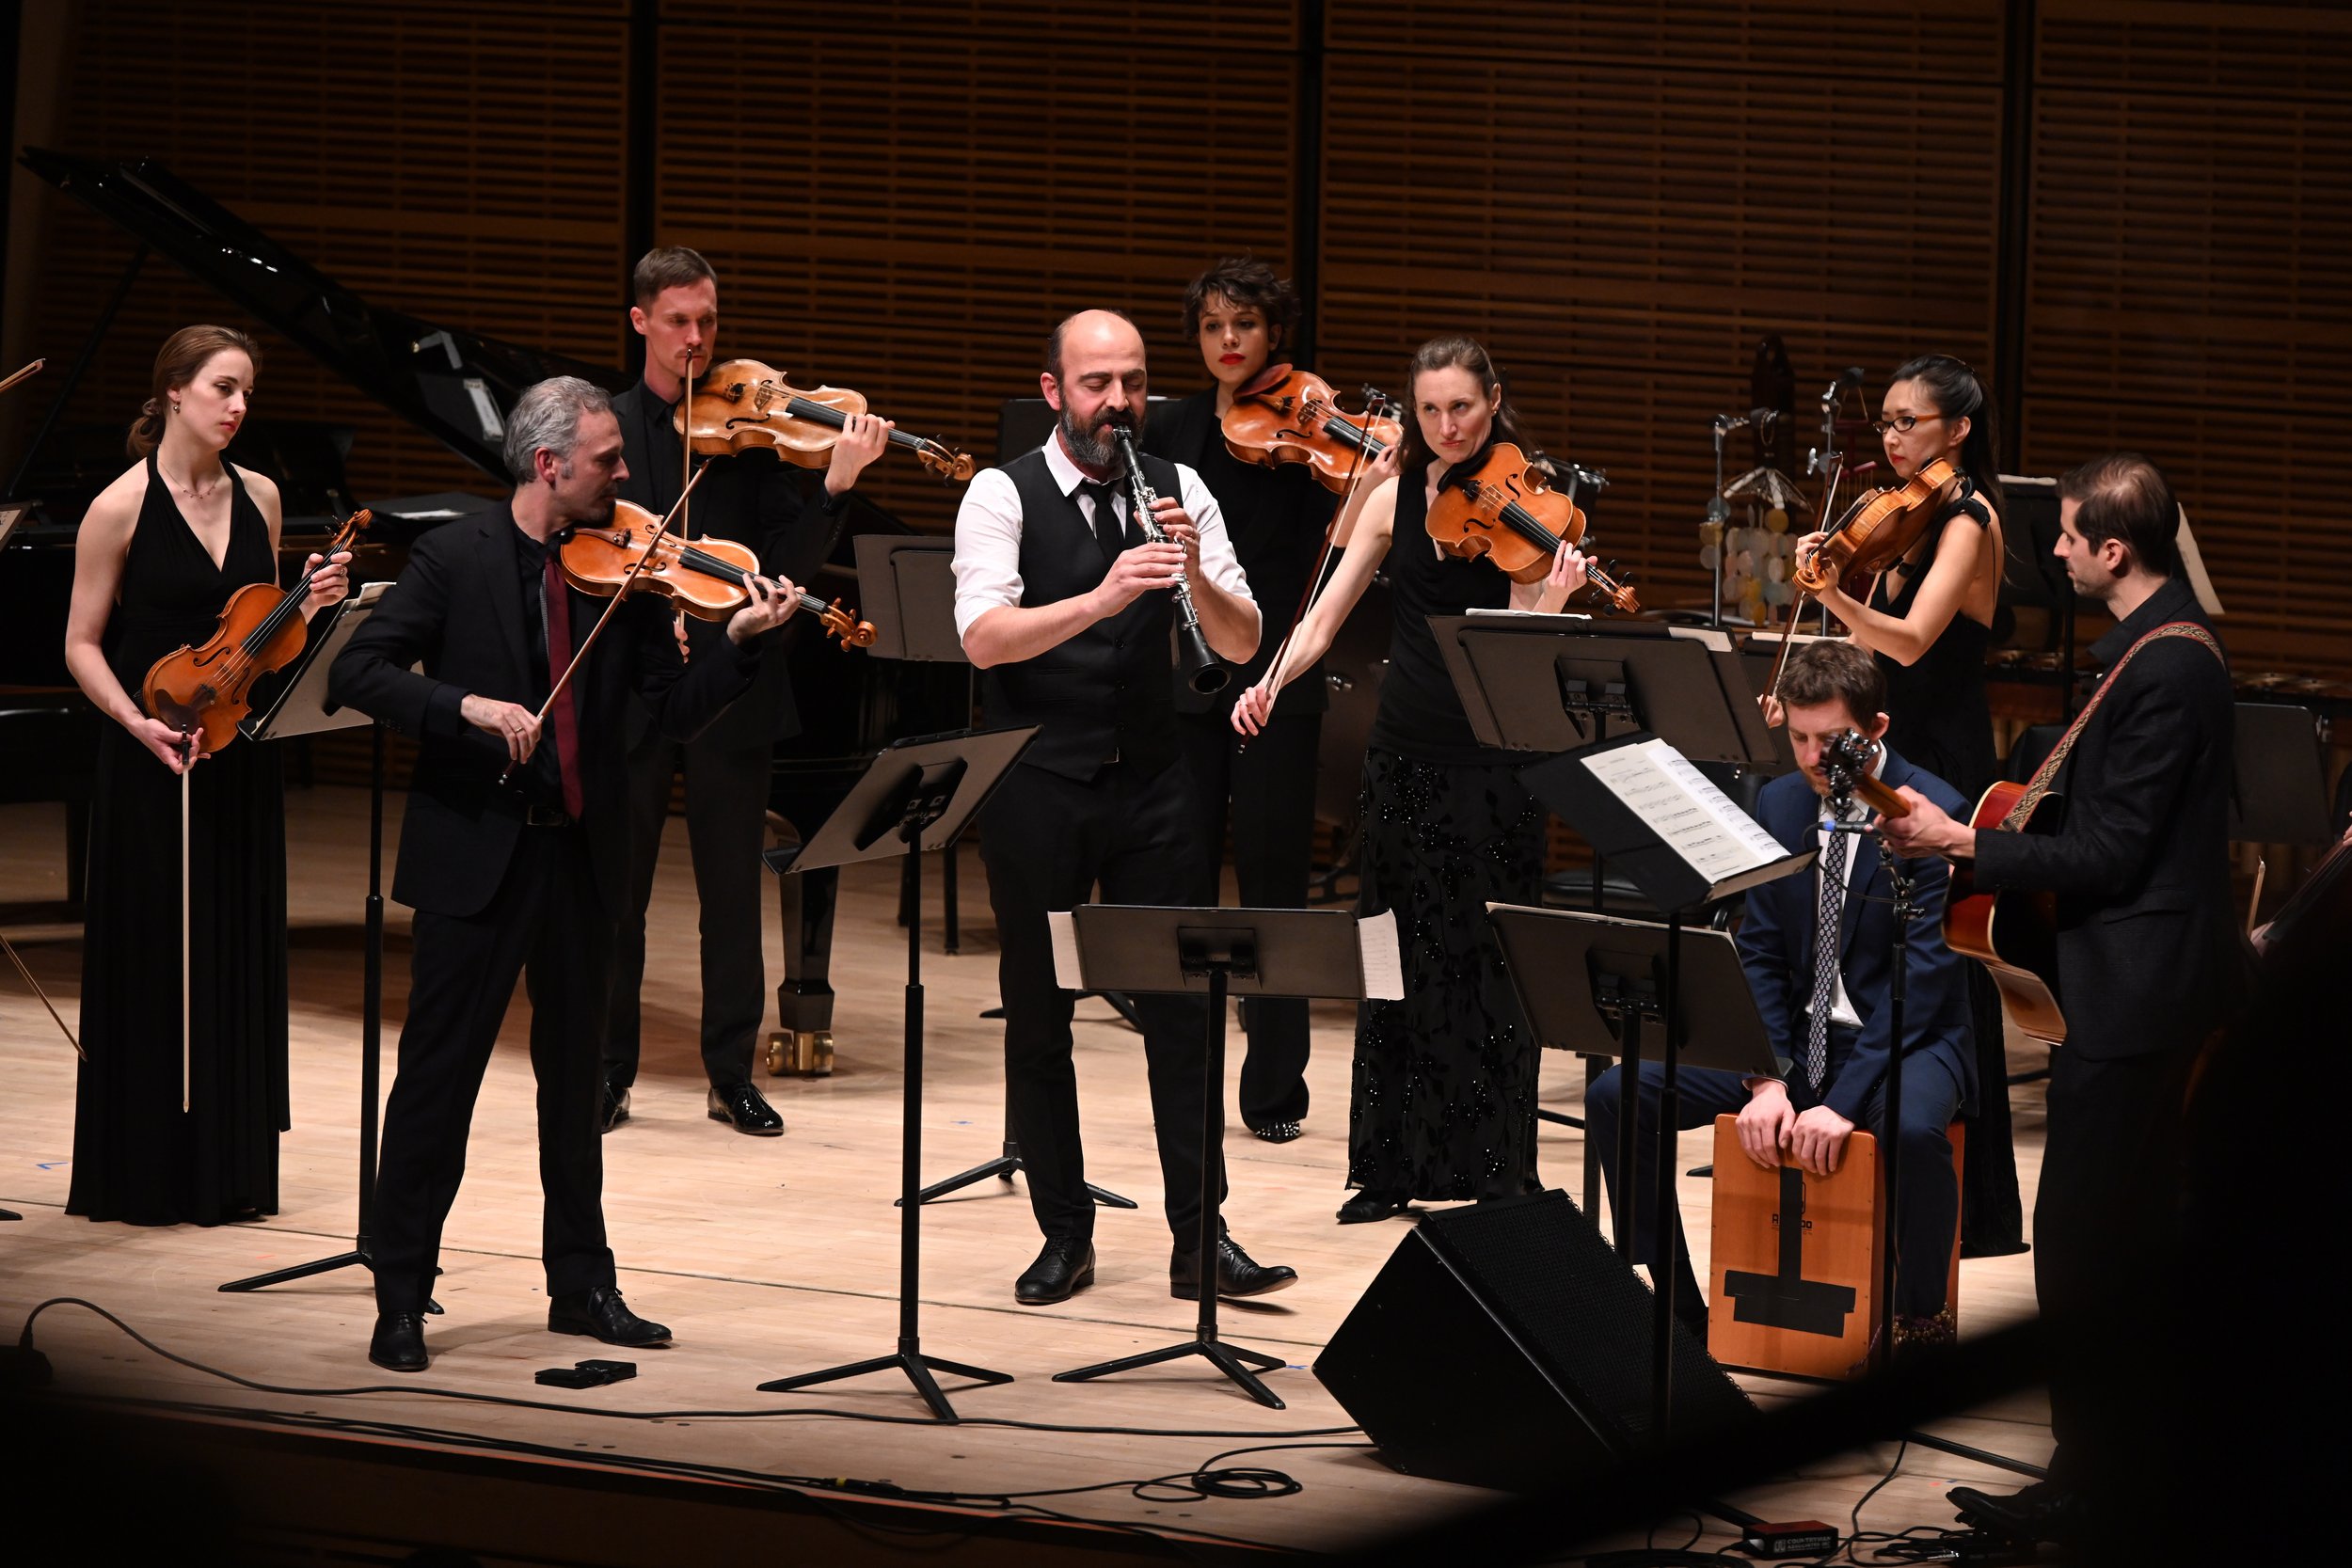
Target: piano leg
point(803, 1047)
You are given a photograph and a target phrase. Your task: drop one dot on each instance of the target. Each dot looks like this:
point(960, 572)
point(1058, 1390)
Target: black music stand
point(917, 795)
point(1130, 947)
point(2278, 788)
point(909, 588)
point(1551, 683)
point(302, 708)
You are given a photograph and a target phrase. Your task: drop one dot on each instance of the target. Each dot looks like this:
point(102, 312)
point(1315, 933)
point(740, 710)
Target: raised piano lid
point(456, 386)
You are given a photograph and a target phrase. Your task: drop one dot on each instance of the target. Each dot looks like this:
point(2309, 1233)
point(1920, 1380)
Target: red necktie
point(566, 717)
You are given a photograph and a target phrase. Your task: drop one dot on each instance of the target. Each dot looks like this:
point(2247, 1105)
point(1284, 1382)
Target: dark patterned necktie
point(1108, 532)
point(1825, 959)
point(564, 718)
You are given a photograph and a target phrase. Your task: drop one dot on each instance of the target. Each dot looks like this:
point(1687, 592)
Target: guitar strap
point(2018, 814)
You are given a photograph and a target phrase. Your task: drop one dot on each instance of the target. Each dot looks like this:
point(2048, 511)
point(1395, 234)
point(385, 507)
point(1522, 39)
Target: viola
point(701, 577)
point(203, 692)
point(742, 403)
point(1879, 529)
point(1295, 417)
point(1504, 511)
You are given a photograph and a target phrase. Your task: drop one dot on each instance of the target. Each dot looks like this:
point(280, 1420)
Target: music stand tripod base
point(915, 795)
point(1310, 953)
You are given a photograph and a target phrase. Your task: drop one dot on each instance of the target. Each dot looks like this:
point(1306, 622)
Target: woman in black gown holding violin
point(1928, 622)
point(158, 555)
point(1444, 1102)
point(1240, 313)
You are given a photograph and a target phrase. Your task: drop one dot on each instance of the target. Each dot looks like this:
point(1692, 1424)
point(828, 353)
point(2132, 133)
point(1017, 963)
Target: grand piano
point(457, 387)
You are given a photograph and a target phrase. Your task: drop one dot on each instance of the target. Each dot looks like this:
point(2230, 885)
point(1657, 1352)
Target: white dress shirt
point(988, 535)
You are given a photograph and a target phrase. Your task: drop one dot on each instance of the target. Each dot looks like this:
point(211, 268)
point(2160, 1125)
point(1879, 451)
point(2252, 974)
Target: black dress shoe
point(1278, 1131)
point(1064, 1266)
point(1368, 1205)
point(602, 1314)
point(2042, 1512)
point(744, 1108)
point(615, 1107)
point(1237, 1273)
point(397, 1343)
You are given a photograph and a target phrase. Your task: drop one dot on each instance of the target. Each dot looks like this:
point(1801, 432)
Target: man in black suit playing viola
point(530, 877)
point(2149, 963)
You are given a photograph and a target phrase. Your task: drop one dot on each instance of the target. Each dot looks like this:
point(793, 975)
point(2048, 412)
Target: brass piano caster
point(800, 1052)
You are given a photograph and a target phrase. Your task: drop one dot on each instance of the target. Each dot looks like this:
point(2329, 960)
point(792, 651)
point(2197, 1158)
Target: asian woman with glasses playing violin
point(1929, 620)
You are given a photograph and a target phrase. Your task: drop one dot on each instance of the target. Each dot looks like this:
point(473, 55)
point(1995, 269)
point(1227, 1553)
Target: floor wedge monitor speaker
point(1505, 1344)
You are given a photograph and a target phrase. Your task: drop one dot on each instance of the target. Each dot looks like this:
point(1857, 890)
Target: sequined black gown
point(1444, 1101)
point(136, 1156)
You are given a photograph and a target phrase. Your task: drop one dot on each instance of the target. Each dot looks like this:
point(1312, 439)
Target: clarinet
point(1202, 673)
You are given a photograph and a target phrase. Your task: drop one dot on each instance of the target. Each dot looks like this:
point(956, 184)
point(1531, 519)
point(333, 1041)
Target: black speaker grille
point(1542, 1265)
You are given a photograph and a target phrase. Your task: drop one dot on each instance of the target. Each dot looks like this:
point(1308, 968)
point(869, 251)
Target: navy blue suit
point(1776, 948)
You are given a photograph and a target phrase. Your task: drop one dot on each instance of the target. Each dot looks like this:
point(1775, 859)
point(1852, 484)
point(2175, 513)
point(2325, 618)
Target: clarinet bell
point(1204, 673)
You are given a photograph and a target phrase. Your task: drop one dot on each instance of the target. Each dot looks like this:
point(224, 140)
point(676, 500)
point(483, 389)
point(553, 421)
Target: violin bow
point(618, 594)
point(17, 958)
point(187, 773)
point(27, 373)
point(1321, 579)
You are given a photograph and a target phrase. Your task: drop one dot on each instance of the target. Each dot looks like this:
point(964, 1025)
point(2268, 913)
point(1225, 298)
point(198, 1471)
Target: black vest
point(1104, 694)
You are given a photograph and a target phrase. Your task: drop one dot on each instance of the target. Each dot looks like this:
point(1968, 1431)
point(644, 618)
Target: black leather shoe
point(2042, 1512)
point(1064, 1266)
point(1368, 1205)
point(602, 1314)
point(1237, 1273)
point(1278, 1131)
point(615, 1107)
point(744, 1108)
point(397, 1343)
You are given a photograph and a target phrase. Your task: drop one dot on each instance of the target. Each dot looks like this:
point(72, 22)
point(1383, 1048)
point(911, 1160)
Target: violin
point(203, 692)
point(1504, 511)
point(701, 577)
point(743, 404)
point(1879, 529)
point(1295, 417)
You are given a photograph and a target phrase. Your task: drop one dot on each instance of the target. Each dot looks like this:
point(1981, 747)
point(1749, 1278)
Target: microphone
point(1762, 417)
point(1850, 376)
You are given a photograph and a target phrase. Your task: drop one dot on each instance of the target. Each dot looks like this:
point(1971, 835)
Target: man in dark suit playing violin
point(758, 501)
point(1830, 1017)
point(2148, 964)
point(531, 877)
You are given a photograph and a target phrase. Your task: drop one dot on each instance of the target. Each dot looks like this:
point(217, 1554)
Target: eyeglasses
point(1901, 423)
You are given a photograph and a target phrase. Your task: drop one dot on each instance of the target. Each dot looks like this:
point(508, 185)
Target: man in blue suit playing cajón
point(1819, 949)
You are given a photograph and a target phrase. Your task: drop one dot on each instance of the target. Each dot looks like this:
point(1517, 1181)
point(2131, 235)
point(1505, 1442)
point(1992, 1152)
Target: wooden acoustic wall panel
point(906, 200)
point(1622, 209)
point(458, 161)
point(2187, 295)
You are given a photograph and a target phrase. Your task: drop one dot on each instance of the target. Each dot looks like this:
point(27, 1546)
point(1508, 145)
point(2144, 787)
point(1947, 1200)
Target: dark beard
point(1091, 454)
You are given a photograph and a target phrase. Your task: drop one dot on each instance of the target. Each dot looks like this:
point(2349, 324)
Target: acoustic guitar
point(2013, 933)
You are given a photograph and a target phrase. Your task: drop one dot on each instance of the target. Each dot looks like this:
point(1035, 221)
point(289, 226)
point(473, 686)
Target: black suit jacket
point(1776, 946)
point(754, 499)
point(2148, 953)
point(457, 610)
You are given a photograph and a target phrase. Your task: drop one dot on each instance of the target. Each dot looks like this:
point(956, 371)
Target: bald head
point(1099, 330)
point(1093, 377)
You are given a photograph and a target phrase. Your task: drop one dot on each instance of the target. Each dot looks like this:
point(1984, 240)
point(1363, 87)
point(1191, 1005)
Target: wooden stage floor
point(776, 1255)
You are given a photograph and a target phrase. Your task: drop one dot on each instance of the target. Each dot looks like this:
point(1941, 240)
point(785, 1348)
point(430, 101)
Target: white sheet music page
point(1682, 806)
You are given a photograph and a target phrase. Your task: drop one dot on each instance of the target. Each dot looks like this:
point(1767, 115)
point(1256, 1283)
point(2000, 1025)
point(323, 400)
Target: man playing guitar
point(2148, 962)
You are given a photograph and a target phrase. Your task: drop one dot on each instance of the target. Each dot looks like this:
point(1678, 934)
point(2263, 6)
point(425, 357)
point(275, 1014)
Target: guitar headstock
point(1846, 762)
